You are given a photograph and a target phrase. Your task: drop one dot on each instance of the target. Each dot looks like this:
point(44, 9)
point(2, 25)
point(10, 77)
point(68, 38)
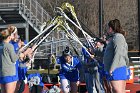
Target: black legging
point(36, 89)
point(22, 86)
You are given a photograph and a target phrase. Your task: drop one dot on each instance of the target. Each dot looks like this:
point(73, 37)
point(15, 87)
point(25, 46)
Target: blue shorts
point(8, 79)
point(121, 73)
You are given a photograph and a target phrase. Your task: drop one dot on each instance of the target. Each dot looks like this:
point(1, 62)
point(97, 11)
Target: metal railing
point(55, 44)
point(34, 13)
point(6, 5)
point(9, 1)
point(35, 9)
point(136, 61)
point(31, 11)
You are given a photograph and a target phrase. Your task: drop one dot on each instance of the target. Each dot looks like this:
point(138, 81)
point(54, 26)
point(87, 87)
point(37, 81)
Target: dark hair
point(1, 38)
point(4, 34)
point(21, 38)
point(116, 26)
point(66, 52)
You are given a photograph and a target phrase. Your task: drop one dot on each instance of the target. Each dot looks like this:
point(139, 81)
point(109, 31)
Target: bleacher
point(134, 57)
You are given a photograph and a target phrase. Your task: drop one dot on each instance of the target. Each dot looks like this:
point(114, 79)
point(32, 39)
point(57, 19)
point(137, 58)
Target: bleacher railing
point(35, 9)
point(32, 11)
point(5, 5)
point(136, 61)
point(55, 44)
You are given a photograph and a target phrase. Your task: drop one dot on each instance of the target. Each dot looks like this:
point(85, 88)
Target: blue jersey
point(16, 47)
point(86, 55)
point(70, 71)
point(22, 69)
point(30, 76)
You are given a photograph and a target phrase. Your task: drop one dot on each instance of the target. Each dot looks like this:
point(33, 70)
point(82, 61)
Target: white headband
point(15, 30)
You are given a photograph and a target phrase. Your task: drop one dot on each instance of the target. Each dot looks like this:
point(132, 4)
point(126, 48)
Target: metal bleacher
point(30, 17)
point(135, 62)
point(22, 11)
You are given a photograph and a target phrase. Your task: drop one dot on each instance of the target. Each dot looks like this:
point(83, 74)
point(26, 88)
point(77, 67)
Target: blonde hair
point(12, 29)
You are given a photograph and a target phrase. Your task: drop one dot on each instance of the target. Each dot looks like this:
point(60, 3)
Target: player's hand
point(77, 83)
point(92, 56)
